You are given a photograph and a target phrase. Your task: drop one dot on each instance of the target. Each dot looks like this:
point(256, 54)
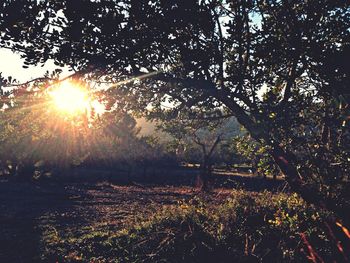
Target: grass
point(105, 222)
point(259, 227)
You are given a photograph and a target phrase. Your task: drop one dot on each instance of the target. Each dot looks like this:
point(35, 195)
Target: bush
point(262, 227)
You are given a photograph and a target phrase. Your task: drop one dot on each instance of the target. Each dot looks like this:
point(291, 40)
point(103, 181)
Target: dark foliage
point(212, 55)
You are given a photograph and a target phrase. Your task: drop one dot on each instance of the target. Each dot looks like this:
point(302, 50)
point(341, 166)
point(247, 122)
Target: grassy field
point(105, 222)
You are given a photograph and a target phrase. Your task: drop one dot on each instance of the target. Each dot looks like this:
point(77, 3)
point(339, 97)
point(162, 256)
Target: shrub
point(248, 227)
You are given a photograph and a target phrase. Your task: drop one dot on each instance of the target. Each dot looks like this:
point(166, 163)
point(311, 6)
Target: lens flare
point(70, 98)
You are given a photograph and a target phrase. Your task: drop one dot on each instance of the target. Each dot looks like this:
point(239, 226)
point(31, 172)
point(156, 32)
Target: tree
point(200, 138)
point(32, 132)
point(36, 136)
point(255, 154)
point(113, 138)
point(212, 55)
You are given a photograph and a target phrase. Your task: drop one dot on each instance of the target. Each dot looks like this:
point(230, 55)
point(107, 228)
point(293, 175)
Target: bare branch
point(217, 141)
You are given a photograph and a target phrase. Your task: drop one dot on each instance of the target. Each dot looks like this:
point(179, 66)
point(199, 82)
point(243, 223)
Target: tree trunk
point(309, 193)
point(203, 178)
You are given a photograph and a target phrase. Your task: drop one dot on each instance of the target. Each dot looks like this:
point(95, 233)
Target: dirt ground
point(29, 210)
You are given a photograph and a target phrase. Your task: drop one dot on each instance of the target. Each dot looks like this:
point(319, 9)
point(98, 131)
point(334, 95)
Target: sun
point(70, 98)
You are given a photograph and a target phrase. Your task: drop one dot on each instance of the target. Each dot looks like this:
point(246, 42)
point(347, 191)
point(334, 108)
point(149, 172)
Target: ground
point(32, 211)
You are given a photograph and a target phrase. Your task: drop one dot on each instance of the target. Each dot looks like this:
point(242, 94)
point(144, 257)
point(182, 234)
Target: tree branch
point(217, 141)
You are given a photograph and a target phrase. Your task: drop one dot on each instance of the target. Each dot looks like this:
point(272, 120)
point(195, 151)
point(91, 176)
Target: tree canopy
point(280, 67)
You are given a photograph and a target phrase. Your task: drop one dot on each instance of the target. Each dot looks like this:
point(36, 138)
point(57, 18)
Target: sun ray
point(70, 98)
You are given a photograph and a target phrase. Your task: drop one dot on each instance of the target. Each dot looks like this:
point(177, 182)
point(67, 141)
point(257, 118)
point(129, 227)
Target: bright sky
point(11, 65)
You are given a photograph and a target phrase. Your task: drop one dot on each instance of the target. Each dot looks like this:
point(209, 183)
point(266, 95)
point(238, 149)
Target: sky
point(11, 65)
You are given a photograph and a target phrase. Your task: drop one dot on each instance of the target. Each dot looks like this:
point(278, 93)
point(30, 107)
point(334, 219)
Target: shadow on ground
point(179, 176)
point(29, 210)
point(24, 207)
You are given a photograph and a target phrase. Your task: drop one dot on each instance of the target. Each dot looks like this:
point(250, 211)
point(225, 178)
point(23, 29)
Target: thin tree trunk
point(203, 178)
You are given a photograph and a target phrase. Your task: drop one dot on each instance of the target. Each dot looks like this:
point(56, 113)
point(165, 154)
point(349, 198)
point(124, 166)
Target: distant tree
point(116, 143)
point(33, 132)
point(197, 140)
point(35, 136)
point(214, 55)
point(113, 137)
